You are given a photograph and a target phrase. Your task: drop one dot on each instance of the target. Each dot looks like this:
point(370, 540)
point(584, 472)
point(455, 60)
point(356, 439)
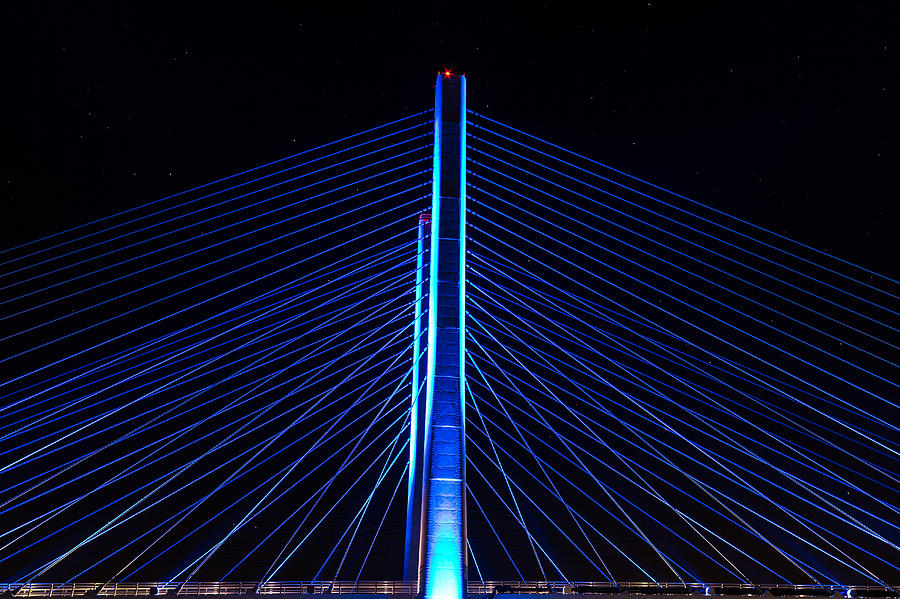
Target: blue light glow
point(442, 552)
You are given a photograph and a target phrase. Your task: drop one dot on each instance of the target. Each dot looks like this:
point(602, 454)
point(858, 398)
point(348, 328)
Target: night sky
point(783, 114)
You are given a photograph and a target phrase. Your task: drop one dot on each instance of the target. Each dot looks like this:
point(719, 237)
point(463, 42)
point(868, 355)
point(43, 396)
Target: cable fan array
point(215, 385)
point(660, 392)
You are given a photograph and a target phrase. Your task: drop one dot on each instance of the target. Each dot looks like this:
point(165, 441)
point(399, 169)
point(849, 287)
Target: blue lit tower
point(442, 541)
point(417, 405)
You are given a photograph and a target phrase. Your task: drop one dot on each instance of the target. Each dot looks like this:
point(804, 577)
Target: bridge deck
point(380, 589)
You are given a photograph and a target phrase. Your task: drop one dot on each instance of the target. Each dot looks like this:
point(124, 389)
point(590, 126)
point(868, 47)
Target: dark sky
point(781, 114)
point(784, 113)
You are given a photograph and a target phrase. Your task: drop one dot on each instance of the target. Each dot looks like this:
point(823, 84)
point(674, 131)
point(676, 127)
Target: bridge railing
point(341, 587)
point(406, 587)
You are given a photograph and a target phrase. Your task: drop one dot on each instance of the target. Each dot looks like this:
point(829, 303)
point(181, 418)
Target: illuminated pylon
point(442, 538)
point(417, 405)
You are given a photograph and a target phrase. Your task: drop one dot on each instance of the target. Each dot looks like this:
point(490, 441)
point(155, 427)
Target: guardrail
point(136, 589)
point(406, 587)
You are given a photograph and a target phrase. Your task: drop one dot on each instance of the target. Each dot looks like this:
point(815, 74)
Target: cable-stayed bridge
point(444, 356)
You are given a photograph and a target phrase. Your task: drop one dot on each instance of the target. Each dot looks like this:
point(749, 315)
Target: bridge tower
point(417, 405)
point(442, 544)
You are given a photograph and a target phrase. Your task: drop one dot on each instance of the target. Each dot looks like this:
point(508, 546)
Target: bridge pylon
point(417, 404)
point(442, 548)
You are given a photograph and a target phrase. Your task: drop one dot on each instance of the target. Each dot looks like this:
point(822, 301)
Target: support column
point(442, 548)
point(417, 406)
